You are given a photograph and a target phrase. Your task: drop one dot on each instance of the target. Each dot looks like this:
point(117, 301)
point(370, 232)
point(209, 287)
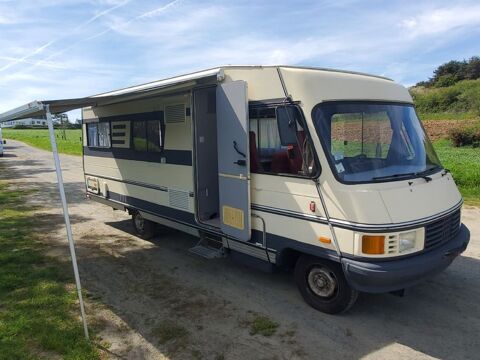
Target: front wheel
point(143, 227)
point(323, 285)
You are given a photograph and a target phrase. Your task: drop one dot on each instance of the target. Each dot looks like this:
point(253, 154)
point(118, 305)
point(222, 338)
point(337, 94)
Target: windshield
point(372, 141)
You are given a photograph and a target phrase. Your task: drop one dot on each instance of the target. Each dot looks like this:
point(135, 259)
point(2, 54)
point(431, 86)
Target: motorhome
point(326, 173)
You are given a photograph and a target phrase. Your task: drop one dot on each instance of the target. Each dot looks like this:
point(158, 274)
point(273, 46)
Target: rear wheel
point(143, 227)
point(323, 285)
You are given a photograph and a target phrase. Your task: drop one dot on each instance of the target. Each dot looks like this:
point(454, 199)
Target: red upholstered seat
point(254, 161)
point(280, 163)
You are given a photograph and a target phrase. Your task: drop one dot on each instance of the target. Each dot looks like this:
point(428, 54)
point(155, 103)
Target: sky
point(52, 49)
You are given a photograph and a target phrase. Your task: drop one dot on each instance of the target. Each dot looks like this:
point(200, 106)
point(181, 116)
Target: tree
point(454, 70)
point(472, 70)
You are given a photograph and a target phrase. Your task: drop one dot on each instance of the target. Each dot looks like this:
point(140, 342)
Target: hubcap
point(322, 281)
point(139, 222)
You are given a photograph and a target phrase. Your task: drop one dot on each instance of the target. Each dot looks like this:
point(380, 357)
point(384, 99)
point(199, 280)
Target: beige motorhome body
point(210, 155)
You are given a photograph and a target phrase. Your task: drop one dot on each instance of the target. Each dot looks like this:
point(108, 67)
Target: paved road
point(144, 283)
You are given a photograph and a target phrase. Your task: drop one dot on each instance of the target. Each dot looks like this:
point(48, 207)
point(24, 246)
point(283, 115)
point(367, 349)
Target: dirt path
point(156, 290)
point(439, 129)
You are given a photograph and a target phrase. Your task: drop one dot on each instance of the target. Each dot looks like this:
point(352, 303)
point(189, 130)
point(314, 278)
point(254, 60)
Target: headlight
point(406, 241)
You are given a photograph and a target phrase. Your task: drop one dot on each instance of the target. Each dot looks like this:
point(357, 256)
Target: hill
point(463, 97)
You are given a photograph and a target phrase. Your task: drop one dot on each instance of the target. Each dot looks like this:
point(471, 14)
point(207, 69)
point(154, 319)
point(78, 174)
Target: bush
point(446, 80)
point(464, 96)
point(464, 136)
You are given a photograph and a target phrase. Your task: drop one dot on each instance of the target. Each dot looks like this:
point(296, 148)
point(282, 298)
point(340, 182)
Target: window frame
point(308, 137)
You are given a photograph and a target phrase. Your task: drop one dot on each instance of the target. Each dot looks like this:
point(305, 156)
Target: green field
point(464, 163)
point(40, 139)
point(38, 308)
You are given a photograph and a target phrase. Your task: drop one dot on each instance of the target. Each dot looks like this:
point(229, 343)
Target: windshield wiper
point(414, 174)
point(393, 176)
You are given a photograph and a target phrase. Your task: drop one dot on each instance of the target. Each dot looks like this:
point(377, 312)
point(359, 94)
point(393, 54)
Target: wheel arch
point(288, 256)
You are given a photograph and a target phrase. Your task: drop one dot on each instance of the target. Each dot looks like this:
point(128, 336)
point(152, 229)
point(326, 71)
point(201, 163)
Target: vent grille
point(120, 134)
point(175, 113)
point(178, 198)
point(392, 244)
point(440, 231)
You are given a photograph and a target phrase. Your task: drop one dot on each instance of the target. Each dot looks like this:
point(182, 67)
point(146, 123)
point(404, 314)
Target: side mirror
point(287, 124)
point(4, 142)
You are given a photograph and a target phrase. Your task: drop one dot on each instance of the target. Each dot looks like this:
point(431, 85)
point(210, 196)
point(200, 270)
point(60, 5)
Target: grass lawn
point(38, 314)
point(464, 163)
point(40, 139)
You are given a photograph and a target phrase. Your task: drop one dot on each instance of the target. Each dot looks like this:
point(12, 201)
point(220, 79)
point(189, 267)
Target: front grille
point(442, 230)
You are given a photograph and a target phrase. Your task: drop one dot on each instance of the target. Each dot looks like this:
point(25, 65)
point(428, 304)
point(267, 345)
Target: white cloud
point(441, 20)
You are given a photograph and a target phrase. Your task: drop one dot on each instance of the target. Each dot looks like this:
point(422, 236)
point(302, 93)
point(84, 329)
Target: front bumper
point(385, 276)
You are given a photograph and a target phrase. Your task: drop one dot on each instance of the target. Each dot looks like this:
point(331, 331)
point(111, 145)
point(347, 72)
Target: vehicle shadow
point(24, 169)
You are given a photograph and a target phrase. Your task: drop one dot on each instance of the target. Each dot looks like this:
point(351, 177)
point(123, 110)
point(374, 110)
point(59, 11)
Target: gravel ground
point(154, 300)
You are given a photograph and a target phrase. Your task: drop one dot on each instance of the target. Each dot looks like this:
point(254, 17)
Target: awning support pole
point(61, 189)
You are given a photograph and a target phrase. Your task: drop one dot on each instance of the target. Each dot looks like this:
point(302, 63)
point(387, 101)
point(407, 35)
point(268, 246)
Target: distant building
point(25, 122)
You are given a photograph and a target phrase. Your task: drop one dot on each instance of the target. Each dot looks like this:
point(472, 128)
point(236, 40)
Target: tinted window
point(148, 135)
point(154, 136)
point(139, 135)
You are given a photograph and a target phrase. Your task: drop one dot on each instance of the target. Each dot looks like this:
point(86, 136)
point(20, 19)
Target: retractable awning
point(38, 108)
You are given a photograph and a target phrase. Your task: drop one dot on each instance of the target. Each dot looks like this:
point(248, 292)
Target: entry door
point(233, 159)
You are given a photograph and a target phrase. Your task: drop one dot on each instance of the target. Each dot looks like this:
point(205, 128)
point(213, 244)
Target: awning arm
point(61, 190)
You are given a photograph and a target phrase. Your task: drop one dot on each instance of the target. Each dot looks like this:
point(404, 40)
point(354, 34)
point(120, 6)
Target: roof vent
point(175, 113)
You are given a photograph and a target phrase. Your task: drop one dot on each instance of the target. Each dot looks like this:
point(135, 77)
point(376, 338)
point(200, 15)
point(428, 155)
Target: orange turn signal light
point(373, 244)
point(325, 240)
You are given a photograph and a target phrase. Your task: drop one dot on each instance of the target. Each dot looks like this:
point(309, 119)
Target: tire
point(143, 227)
point(323, 285)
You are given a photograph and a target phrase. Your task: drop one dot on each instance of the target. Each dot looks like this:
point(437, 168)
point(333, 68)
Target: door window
point(268, 155)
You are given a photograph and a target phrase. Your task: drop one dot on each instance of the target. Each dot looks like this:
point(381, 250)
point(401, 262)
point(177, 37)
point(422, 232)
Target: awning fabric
point(38, 108)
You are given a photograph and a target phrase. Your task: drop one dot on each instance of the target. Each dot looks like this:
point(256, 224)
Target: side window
point(148, 135)
point(104, 134)
point(98, 134)
point(361, 134)
point(92, 134)
point(139, 135)
point(154, 136)
point(268, 155)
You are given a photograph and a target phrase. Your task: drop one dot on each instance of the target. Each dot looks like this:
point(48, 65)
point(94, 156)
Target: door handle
point(241, 162)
